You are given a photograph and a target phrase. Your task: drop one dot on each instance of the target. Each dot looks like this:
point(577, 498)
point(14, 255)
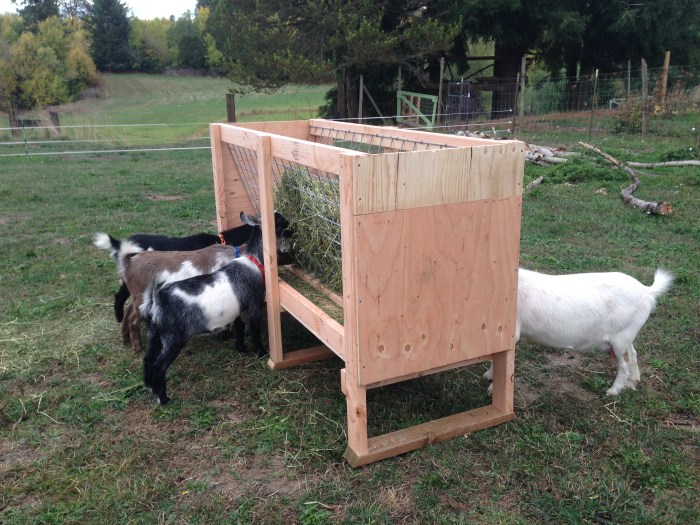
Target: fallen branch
point(652, 165)
point(534, 183)
point(660, 208)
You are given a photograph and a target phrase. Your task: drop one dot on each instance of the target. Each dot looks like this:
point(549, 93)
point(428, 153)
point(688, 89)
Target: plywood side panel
point(435, 286)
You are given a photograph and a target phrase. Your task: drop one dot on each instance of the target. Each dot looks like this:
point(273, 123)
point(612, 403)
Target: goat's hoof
point(612, 391)
point(163, 400)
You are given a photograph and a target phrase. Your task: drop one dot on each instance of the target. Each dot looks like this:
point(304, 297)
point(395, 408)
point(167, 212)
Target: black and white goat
point(207, 303)
point(588, 311)
point(138, 269)
point(147, 242)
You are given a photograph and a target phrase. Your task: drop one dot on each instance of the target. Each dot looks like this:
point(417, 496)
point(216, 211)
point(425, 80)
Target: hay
point(311, 204)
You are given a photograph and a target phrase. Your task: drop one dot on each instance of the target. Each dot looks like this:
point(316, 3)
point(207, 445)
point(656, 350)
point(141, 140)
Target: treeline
point(268, 44)
point(52, 50)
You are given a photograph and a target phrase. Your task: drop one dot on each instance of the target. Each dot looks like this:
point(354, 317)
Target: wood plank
point(267, 215)
point(503, 380)
point(419, 436)
point(398, 134)
point(315, 283)
point(229, 191)
point(356, 402)
point(431, 178)
point(435, 286)
point(318, 156)
point(298, 129)
point(301, 357)
point(318, 322)
point(423, 373)
point(217, 163)
point(348, 238)
point(375, 183)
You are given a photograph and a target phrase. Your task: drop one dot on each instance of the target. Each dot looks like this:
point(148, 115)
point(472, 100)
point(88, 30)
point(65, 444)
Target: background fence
point(598, 104)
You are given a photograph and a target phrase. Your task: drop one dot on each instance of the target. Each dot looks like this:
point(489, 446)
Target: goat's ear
point(280, 220)
point(249, 220)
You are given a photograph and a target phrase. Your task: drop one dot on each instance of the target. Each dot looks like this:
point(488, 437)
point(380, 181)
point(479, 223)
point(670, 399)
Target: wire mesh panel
point(310, 199)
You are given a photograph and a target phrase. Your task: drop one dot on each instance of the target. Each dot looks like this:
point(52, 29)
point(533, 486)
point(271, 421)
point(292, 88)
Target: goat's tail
point(149, 307)
point(663, 280)
point(127, 250)
point(107, 242)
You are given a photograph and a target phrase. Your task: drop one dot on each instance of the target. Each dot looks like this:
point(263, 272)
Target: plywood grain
point(435, 286)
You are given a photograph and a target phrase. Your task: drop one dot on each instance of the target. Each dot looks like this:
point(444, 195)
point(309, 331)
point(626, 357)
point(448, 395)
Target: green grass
point(168, 110)
point(82, 442)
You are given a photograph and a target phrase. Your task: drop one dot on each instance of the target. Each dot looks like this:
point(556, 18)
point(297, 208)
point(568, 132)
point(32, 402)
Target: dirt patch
point(13, 455)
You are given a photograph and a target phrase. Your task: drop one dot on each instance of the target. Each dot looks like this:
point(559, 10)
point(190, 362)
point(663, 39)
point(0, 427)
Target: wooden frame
point(430, 235)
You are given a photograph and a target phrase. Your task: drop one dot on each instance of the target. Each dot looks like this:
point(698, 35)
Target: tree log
point(657, 208)
point(652, 165)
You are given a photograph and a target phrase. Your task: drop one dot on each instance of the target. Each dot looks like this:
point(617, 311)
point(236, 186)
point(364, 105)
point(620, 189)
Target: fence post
point(645, 94)
point(439, 106)
point(593, 97)
point(360, 101)
point(523, 64)
point(230, 107)
point(664, 78)
point(629, 81)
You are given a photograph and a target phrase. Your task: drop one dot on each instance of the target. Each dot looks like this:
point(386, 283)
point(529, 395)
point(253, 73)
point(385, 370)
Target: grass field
point(82, 442)
point(138, 110)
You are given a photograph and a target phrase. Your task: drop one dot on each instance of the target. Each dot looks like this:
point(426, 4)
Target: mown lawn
point(82, 442)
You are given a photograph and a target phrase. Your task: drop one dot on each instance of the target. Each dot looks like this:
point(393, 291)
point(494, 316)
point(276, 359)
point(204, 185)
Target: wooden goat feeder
point(430, 236)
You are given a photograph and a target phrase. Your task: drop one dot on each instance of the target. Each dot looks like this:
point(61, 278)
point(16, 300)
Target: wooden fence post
point(664, 78)
point(360, 101)
point(439, 103)
point(231, 107)
point(521, 109)
point(645, 94)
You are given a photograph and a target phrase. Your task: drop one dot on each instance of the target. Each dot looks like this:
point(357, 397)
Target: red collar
point(260, 266)
point(221, 238)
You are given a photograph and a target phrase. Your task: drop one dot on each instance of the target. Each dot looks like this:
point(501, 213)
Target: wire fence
point(591, 105)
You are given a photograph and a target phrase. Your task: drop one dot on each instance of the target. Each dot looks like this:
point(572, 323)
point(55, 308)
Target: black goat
point(147, 242)
point(207, 303)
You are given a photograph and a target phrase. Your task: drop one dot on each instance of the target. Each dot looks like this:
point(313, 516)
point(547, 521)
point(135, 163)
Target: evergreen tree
point(35, 11)
point(108, 25)
point(272, 43)
point(187, 42)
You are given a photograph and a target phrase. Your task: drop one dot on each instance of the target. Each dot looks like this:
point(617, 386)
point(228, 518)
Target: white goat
point(586, 311)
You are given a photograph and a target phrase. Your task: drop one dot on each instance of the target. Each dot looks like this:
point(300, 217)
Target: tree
point(74, 9)
point(272, 43)
point(43, 68)
point(148, 43)
point(34, 11)
point(187, 43)
point(108, 25)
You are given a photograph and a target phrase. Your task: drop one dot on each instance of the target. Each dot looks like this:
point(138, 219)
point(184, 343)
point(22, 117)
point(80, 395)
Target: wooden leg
point(356, 397)
point(503, 379)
